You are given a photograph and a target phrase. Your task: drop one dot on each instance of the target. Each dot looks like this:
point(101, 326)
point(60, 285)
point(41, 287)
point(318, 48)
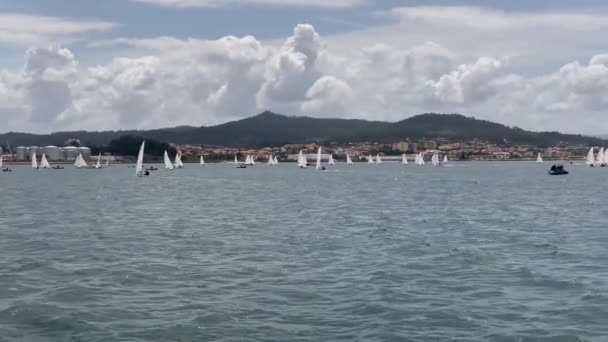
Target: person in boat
point(146, 173)
point(554, 168)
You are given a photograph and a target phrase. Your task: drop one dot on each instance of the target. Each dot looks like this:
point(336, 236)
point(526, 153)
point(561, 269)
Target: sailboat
point(605, 161)
point(601, 155)
point(271, 161)
point(107, 161)
point(302, 162)
point(276, 160)
point(331, 160)
point(539, 158)
point(404, 159)
point(202, 160)
point(34, 161)
point(168, 164)
point(178, 161)
point(348, 160)
point(139, 167)
point(445, 159)
point(420, 159)
point(44, 163)
point(435, 160)
point(251, 160)
point(378, 160)
point(98, 164)
point(319, 166)
point(370, 159)
point(590, 158)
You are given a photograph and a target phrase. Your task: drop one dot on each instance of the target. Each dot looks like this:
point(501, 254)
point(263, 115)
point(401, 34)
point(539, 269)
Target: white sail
point(605, 161)
point(44, 163)
point(445, 159)
point(378, 160)
point(98, 164)
point(302, 162)
point(251, 160)
point(600, 156)
point(318, 158)
point(271, 161)
point(178, 160)
point(331, 160)
point(82, 162)
point(139, 167)
point(1, 157)
point(248, 160)
point(202, 160)
point(539, 158)
point(168, 164)
point(435, 160)
point(34, 161)
point(348, 160)
point(276, 160)
point(236, 160)
point(370, 159)
point(404, 159)
point(420, 157)
point(107, 161)
point(590, 158)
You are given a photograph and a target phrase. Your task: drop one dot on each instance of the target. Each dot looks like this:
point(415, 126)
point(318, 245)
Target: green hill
point(270, 129)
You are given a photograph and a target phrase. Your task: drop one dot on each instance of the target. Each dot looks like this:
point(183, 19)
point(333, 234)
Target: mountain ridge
point(272, 129)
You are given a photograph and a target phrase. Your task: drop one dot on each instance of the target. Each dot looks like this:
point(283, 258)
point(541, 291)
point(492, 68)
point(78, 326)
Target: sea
point(476, 251)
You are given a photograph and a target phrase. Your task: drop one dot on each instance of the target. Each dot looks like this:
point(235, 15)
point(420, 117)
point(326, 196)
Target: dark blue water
point(473, 252)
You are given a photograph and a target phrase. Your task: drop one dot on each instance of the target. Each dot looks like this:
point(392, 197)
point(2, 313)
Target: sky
point(124, 64)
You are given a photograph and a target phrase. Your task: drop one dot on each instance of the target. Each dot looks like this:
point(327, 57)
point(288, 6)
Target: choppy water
point(473, 252)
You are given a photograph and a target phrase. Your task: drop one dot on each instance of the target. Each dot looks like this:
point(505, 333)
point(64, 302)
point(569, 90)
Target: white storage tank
point(21, 152)
point(32, 150)
point(52, 153)
point(86, 152)
point(70, 153)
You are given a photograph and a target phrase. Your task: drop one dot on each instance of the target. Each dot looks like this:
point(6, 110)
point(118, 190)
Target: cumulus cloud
point(226, 3)
point(211, 81)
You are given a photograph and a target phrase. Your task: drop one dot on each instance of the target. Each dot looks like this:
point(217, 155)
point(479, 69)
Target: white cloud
point(278, 3)
point(206, 82)
point(489, 19)
point(28, 30)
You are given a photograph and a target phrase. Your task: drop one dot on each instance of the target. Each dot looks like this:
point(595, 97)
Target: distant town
point(473, 150)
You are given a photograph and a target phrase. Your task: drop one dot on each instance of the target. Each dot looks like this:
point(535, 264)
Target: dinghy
point(178, 161)
point(370, 159)
point(404, 159)
point(139, 167)
point(445, 159)
point(331, 160)
point(34, 161)
point(319, 166)
point(44, 163)
point(276, 160)
point(168, 164)
point(202, 160)
point(378, 160)
point(539, 158)
point(590, 158)
point(348, 160)
point(98, 164)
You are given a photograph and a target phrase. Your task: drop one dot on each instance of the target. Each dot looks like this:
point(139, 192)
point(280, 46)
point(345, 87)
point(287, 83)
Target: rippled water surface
point(472, 252)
